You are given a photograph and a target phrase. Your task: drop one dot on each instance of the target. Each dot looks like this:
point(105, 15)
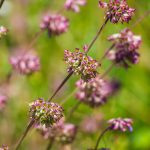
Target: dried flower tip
point(74, 5)
point(121, 124)
point(117, 11)
point(55, 24)
point(4, 147)
point(3, 101)
point(25, 62)
point(95, 92)
point(81, 64)
point(3, 31)
point(126, 48)
point(45, 113)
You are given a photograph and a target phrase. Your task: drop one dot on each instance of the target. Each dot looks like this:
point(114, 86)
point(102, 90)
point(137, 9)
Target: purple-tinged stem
point(97, 35)
point(107, 51)
point(25, 134)
point(50, 144)
point(100, 137)
point(1, 3)
point(60, 86)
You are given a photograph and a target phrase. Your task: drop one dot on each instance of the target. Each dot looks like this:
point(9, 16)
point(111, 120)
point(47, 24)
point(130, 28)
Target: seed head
point(45, 113)
point(117, 10)
point(81, 64)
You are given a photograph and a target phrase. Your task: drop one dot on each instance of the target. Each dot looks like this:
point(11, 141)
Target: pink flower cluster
point(25, 62)
point(95, 92)
point(74, 4)
point(126, 46)
point(121, 124)
point(3, 31)
point(55, 24)
point(81, 64)
point(3, 101)
point(4, 147)
point(45, 113)
point(60, 131)
point(117, 10)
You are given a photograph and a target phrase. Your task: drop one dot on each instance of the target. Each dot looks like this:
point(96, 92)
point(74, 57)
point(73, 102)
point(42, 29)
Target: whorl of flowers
point(3, 101)
point(60, 131)
point(126, 47)
point(74, 5)
point(117, 10)
point(45, 113)
point(55, 24)
point(3, 31)
point(95, 92)
point(25, 62)
point(121, 124)
point(81, 64)
point(4, 147)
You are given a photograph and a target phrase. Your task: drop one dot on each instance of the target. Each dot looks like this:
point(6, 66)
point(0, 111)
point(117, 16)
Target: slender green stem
point(60, 86)
point(50, 144)
point(73, 110)
point(25, 134)
point(100, 137)
point(97, 35)
point(1, 3)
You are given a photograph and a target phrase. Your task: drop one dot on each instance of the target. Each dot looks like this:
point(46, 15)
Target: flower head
point(3, 31)
point(126, 47)
point(4, 147)
point(121, 124)
point(3, 101)
point(95, 92)
point(74, 4)
point(60, 131)
point(117, 10)
point(81, 64)
point(45, 113)
point(55, 24)
point(25, 62)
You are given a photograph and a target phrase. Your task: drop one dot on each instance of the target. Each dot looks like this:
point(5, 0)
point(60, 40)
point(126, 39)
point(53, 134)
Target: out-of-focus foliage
point(22, 18)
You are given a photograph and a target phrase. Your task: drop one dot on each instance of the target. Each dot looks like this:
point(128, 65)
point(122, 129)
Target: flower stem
point(73, 110)
point(1, 3)
point(105, 54)
point(97, 35)
point(50, 144)
point(61, 85)
point(108, 70)
point(25, 134)
point(100, 137)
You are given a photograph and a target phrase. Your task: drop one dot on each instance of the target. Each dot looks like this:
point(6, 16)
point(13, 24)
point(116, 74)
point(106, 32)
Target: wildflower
point(81, 64)
point(74, 4)
point(126, 48)
point(117, 10)
point(25, 62)
point(3, 101)
point(95, 92)
point(4, 147)
point(121, 124)
point(60, 131)
point(55, 24)
point(45, 113)
point(3, 31)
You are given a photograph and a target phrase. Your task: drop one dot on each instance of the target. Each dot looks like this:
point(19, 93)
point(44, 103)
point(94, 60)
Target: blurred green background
point(22, 18)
